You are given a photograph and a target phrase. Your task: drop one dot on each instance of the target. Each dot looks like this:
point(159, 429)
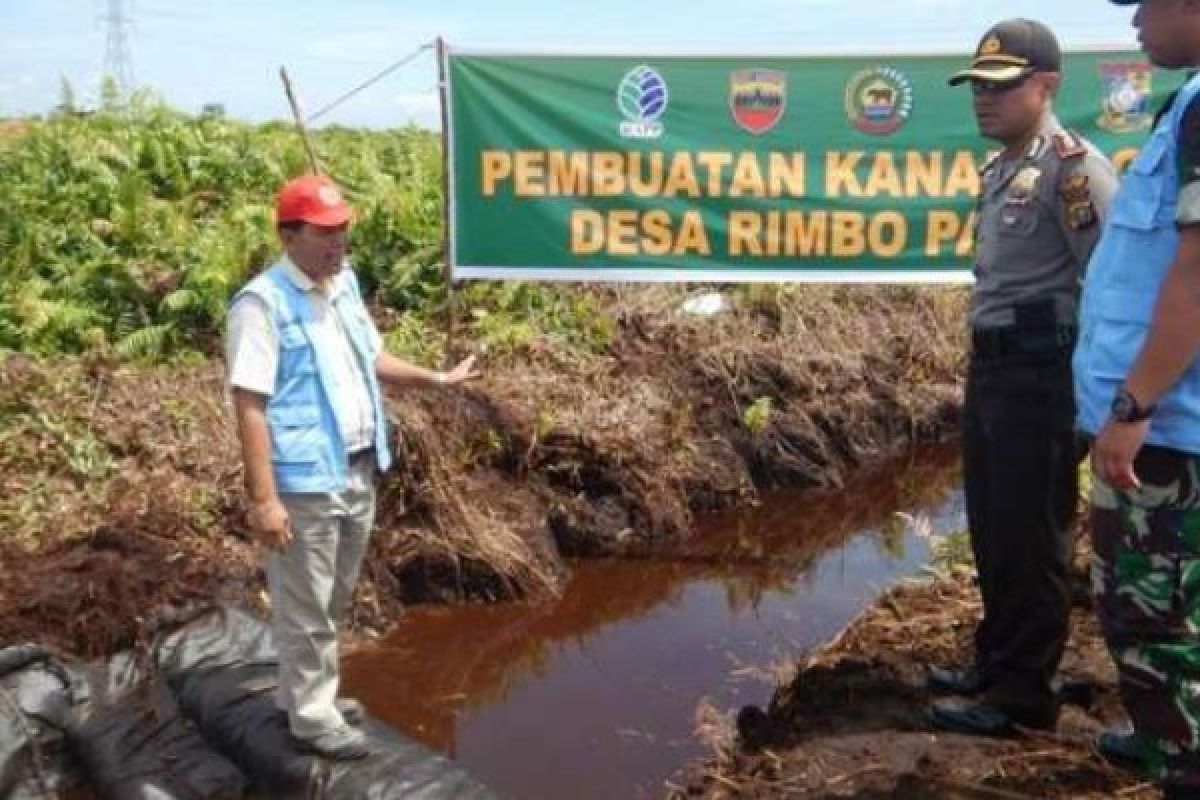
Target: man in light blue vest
point(305, 366)
point(1137, 381)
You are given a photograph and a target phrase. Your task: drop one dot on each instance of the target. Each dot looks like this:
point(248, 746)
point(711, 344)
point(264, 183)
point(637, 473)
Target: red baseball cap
point(313, 199)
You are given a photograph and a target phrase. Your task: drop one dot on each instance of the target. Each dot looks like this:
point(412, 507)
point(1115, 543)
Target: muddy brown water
point(596, 694)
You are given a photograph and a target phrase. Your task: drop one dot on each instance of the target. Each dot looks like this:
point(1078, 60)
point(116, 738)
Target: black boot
point(946, 680)
point(1119, 748)
point(987, 719)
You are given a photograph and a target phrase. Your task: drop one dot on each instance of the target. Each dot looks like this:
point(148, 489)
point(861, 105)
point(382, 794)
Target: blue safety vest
point(1121, 287)
point(308, 450)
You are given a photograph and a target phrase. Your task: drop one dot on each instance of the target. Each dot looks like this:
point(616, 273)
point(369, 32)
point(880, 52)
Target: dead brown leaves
point(123, 483)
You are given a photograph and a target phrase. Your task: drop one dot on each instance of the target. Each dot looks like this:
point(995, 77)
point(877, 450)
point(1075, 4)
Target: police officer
point(1040, 208)
point(1137, 372)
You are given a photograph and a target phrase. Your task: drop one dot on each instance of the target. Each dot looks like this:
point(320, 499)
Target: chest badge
point(1023, 185)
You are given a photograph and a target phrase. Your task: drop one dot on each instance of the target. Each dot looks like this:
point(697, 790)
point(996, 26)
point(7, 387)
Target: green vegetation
point(757, 415)
point(128, 230)
point(953, 551)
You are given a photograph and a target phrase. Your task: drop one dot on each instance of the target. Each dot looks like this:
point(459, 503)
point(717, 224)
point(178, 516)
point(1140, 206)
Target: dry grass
point(849, 721)
point(123, 483)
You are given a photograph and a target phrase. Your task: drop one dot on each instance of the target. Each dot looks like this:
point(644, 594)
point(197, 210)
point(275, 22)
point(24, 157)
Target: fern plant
point(132, 227)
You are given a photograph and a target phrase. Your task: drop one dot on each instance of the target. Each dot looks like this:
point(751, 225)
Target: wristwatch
point(1125, 407)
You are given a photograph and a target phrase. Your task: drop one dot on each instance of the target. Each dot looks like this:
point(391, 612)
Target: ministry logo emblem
point(642, 98)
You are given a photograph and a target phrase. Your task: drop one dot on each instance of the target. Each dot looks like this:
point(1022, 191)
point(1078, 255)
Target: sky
point(230, 51)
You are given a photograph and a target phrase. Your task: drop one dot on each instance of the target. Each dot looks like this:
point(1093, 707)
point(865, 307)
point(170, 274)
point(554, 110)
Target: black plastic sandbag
point(223, 670)
point(36, 695)
point(235, 709)
point(142, 748)
point(63, 728)
point(401, 768)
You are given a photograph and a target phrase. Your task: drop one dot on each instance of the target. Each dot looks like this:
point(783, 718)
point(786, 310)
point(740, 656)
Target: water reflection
point(594, 695)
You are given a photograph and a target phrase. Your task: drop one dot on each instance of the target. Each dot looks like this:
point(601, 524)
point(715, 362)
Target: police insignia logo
point(989, 46)
point(1075, 188)
point(1024, 183)
point(1077, 197)
point(757, 98)
point(1081, 215)
point(879, 100)
point(1127, 94)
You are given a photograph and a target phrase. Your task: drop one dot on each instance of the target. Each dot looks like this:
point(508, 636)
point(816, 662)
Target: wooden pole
point(291, 96)
point(447, 266)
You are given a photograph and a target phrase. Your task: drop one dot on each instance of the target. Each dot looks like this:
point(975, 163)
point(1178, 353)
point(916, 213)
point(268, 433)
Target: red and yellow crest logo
point(757, 98)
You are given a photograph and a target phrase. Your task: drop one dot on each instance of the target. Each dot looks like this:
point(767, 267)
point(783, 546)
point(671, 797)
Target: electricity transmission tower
point(118, 64)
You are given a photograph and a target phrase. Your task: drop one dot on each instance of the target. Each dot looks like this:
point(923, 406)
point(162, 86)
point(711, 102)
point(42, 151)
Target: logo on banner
point(879, 100)
point(642, 99)
point(756, 98)
point(1126, 105)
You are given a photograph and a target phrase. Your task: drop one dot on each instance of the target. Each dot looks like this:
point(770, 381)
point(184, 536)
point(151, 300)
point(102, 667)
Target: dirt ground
point(123, 483)
point(122, 497)
point(851, 721)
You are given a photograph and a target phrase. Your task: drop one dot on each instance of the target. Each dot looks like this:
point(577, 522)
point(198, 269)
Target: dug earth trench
point(851, 720)
point(123, 497)
point(123, 483)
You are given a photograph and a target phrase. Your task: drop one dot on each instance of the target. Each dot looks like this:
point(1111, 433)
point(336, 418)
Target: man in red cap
point(305, 366)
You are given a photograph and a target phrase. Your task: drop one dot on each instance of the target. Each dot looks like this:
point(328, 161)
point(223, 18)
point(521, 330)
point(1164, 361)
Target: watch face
point(1122, 407)
point(1125, 407)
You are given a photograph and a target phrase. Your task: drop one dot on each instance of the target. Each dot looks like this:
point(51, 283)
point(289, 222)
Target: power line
point(118, 63)
point(375, 79)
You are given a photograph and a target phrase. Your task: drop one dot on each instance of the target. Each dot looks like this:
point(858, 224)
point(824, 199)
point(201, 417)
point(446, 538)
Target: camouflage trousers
point(1146, 579)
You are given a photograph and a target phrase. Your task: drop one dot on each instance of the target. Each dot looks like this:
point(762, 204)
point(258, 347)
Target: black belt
point(1008, 341)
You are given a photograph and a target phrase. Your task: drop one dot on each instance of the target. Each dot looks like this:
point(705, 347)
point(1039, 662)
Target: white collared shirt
point(252, 356)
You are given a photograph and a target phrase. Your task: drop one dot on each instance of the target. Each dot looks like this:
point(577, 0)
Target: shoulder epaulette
point(1037, 148)
point(990, 162)
point(1067, 144)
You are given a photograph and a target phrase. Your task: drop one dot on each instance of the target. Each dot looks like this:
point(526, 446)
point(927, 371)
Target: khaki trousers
point(311, 582)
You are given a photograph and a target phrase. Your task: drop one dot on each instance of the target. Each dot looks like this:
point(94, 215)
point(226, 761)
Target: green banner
point(823, 168)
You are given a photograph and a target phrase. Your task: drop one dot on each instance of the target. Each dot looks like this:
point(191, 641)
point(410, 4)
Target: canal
point(595, 695)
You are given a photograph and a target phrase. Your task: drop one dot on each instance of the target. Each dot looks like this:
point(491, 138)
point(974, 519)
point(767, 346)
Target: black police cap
point(1011, 50)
